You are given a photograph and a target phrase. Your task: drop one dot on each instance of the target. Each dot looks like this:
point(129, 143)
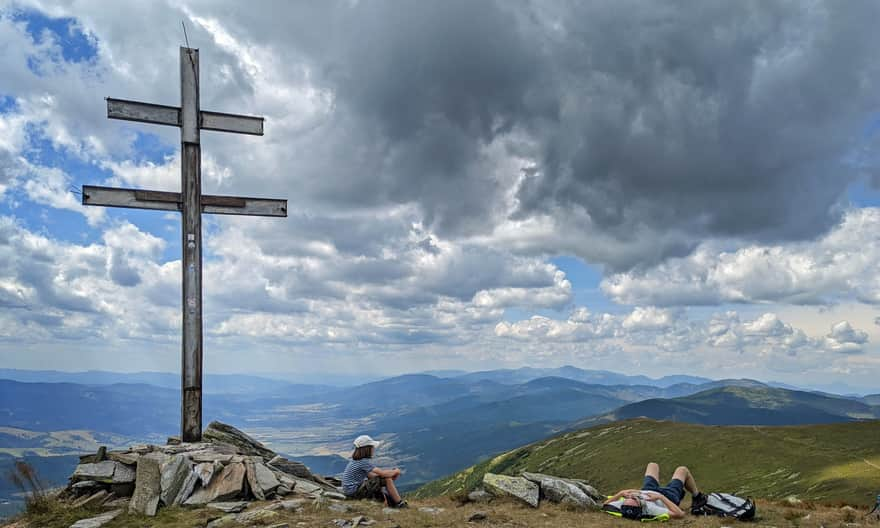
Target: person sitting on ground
point(653, 501)
point(362, 480)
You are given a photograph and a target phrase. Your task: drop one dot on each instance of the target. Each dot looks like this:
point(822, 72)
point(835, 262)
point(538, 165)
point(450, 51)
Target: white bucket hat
point(364, 441)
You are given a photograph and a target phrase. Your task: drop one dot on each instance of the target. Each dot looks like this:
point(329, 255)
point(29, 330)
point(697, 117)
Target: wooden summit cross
point(190, 118)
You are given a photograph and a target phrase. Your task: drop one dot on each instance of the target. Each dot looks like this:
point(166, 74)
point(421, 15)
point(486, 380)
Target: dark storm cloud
point(705, 119)
point(726, 119)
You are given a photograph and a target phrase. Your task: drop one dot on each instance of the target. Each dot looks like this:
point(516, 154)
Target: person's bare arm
point(674, 511)
point(384, 473)
point(620, 494)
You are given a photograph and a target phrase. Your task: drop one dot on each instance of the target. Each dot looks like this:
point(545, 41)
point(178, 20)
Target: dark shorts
point(673, 491)
point(370, 489)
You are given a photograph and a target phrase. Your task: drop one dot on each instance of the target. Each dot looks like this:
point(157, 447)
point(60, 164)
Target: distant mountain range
point(212, 383)
point(748, 405)
point(593, 377)
point(431, 425)
point(824, 463)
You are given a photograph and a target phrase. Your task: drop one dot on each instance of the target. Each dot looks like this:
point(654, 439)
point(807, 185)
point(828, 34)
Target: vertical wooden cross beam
point(191, 203)
point(191, 243)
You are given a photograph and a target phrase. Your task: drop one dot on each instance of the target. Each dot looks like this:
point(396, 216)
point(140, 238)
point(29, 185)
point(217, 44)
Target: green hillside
point(825, 463)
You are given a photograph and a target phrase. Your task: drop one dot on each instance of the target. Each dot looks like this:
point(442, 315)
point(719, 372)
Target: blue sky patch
point(585, 279)
point(7, 104)
point(150, 147)
point(76, 45)
point(863, 194)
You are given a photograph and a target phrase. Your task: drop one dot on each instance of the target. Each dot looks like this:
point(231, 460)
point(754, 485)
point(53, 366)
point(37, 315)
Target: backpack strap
point(663, 517)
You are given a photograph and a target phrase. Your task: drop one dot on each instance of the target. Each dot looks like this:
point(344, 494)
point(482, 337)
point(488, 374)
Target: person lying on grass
point(654, 501)
point(362, 480)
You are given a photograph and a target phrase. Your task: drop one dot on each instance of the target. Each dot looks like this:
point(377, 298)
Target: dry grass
point(455, 514)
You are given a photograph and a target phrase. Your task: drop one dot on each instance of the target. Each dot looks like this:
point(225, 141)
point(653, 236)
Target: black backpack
point(726, 505)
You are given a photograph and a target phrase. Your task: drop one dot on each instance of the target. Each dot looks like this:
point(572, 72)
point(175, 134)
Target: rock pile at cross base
point(224, 471)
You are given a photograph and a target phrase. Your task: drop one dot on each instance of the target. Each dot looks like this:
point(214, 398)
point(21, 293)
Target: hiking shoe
point(402, 504)
point(697, 502)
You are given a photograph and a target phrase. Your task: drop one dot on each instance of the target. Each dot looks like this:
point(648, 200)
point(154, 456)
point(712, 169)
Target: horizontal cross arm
point(170, 115)
point(130, 198)
point(172, 201)
point(233, 205)
point(143, 112)
point(239, 124)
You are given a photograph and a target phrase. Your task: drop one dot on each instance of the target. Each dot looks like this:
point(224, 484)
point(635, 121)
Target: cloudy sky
point(645, 187)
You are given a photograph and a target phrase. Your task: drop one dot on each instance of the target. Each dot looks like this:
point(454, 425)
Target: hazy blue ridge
point(212, 383)
point(599, 377)
point(749, 405)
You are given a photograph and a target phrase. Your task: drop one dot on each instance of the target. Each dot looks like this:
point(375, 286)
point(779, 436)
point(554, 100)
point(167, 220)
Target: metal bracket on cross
point(191, 119)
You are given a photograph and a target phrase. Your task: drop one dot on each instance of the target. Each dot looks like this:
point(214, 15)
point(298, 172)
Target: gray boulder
point(592, 492)
point(174, 476)
point(245, 445)
point(301, 486)
point(123, 474)
point(96, 522)
point(227, 521)
point(148, 486)
point(293, 504)
point(515, 487)
point(124, 457)
point(291, 467)
point(228, 507)
point(261, 516)
point(86, 486)
point(225, 486)
point(207, 470)
point(479, 496)
point(186, 489)
point(93, 500)
point(562, 491)
point(250, 474)
point(264, 478)
point(98, 471)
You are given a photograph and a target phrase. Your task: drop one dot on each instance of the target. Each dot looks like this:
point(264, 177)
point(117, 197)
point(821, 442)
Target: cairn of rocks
point(224, 471)
point(531, 488)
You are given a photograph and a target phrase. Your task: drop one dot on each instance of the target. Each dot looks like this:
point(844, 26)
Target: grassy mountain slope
point(826, 463)
point(748, 405)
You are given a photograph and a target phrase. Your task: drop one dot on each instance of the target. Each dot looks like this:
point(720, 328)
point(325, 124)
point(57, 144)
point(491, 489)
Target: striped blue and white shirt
point(355, 472)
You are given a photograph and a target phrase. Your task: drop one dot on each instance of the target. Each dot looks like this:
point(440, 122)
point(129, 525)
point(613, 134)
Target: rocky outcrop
point(228, 466)
point(514, 487)
point(531, 488)
point(244, 445)
point(296, 469)
point(562, 491)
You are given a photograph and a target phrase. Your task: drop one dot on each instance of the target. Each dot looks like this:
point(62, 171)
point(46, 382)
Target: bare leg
point(653, 470)
point(392, 490)
point(684, 474)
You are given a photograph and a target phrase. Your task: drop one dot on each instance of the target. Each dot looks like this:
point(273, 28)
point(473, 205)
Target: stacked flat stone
point(227, 466)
